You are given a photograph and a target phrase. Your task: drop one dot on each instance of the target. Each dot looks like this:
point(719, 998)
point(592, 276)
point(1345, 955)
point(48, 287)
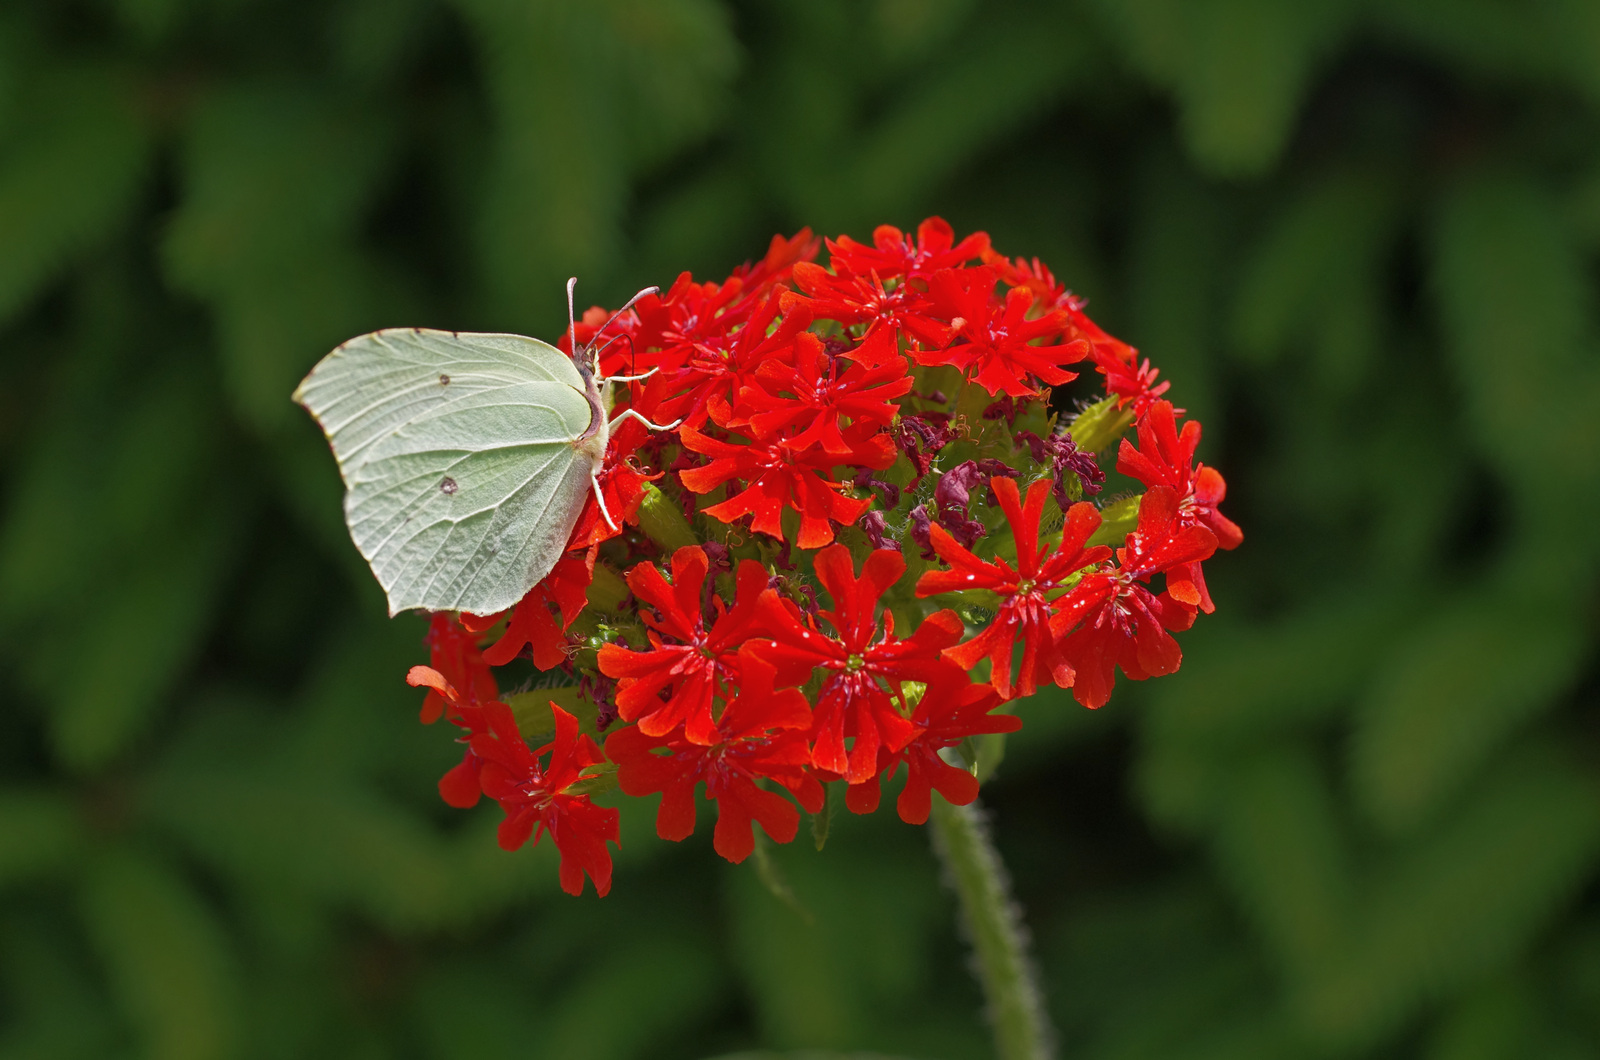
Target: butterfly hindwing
point(461, 492)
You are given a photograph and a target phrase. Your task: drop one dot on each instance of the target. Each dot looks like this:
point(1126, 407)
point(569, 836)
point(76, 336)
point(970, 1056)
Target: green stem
point(993, 925)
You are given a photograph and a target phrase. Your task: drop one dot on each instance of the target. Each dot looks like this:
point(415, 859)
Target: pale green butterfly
point(466, 458)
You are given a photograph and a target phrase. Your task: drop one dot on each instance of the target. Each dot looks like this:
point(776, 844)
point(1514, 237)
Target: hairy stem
point(994, 927)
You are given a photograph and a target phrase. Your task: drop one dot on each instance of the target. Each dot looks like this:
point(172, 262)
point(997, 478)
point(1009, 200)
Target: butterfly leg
point(631, 378)
point(600, 499)
point(625, 413)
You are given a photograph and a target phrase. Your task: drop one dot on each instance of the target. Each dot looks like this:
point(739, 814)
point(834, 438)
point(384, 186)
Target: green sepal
point(1096, 427)
point(607, 590)
point(662, 521)
point(991, 751)
point(772, 877)
point(822, 820)
point(598, 780)
point(537, 723)
point(1117, 520)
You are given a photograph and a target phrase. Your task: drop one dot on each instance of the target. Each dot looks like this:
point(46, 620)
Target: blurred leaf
point(1242, 684)
point(639, 79)
point(131, 647)
point(584, 1021)
point(805, 991)
point(1177, 262)
point(1546, 44)
point(56, 1010)
point(99, 531)
point(1463, 901)
point(1515, 300)
point(1318, 277)
point(954, 109)
point(68, 178)
point(1452, 692)
point(1498, 1020)
point(166, 958)
point(1239, 68)
point(40, 833)
point(276, 181)
point(1280, 844)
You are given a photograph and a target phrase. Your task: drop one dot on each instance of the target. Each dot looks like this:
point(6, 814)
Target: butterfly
point(466, 457)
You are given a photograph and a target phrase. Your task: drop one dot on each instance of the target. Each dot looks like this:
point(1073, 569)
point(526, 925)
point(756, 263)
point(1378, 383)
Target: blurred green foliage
point(1360, 238)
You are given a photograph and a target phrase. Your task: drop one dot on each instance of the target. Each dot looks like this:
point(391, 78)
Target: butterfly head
point(586, 357)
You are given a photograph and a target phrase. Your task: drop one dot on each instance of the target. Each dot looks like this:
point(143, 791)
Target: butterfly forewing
point(457, 452)
point(375, 383)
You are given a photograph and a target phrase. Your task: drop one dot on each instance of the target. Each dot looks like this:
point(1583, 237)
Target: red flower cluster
point(536, 797)
point(826, 419)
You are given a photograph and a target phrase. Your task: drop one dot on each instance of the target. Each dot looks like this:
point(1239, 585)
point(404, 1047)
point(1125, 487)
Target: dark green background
point(1359, 237)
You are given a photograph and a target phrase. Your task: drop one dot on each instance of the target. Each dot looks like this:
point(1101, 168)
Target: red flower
point(782, 257)
point(1025, 607)
point(853, 700)
point(687, 315)
point(534, 797)
point(853, 299)
point(1049, 294)
point(1166, 458)
point(685, 660)
point(893, 254)
point(1115, 621)
point(621, 483)
point(951, 710)
point(706, 373)
point(779, 477)
point(761, 734)
point(459, 787)
point(1080, 328)
point(453, 652)
point(811, 399)
point(533, 623)
point(1132, 383)
point(998, 353)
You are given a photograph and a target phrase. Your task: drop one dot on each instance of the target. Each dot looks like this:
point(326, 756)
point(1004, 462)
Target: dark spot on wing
point(444, 380)
point(447, 485)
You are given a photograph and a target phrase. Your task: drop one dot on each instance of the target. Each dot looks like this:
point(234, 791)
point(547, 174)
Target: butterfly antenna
point(572, 322)
point(613, 319)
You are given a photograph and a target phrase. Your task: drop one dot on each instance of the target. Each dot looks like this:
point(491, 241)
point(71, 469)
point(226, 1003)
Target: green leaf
point(276, 182)
point(950, 111)
point(1317, 277)
point(1117, 520)
point(822, 820)
point(1513, 289)
point(58, 1008)
point(535, 720)
point(1452, 693)
point(1239, 68)
point(1280, 843)
point(1463, 902)
point(73, 171)
point(129, 649)
point(41, 833)
point(642, 79)
point(1181, 259)
point(165, 955)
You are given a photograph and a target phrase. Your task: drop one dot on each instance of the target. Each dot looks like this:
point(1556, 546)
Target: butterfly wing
point(457, 451)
